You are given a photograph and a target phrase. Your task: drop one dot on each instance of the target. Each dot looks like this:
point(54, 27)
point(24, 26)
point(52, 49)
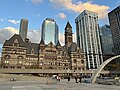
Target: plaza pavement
point(62, 85)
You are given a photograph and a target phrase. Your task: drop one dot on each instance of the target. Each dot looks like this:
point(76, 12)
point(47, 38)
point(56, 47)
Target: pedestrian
point(80, 78)
point(76, 79)
point(59, 78)
point(68, 78)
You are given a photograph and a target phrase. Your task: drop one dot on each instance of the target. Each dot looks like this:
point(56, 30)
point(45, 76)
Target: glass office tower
point(114, 20)
point(106, 39)
point(88, 38)
point(49, 31)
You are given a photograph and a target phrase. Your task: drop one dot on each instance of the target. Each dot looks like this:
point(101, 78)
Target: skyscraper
point(49, 31)
point(23, 28)
point(106, 39)
point(114, 20)
point(88, 38)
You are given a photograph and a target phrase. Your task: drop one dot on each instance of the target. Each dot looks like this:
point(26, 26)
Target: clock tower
point(68, 34)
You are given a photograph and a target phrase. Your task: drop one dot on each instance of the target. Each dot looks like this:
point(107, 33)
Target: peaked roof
point(42, 41)
point(72, 47)
point(51, 43)
point(68, 25)
point(58, 43)
point(12, 39)
point(31, 46)
point(35, 47)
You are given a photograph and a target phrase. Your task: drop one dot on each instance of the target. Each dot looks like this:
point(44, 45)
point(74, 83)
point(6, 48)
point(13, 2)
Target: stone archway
point(95, 74)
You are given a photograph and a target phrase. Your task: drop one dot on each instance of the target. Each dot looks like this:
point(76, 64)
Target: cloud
point(14, 21)
point(34, 36)
point(62, 39)
point(80, 6)
point(6, 33)
point(61, 15)
point(1, 19)
point(74, 37)
point(36, 1)
point(12, 30)
point(36, 15)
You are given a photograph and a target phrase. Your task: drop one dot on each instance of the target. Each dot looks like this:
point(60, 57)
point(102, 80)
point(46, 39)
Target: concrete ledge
point(11, 71)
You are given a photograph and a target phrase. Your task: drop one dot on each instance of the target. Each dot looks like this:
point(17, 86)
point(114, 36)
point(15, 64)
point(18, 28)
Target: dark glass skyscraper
point(23, 28)
point(106, 39)
point(114, 20)
point(49, 31)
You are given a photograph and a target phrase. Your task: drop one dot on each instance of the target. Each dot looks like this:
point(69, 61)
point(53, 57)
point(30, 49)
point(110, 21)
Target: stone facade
point(17, 53)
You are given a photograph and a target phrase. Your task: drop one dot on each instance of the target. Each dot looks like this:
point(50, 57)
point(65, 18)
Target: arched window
point(7, 59)
point(32, 51)
point(20, 59)
point(50, 67)
point(77, 49)
point(82, 61)
point(16, 43)
point(75, 61)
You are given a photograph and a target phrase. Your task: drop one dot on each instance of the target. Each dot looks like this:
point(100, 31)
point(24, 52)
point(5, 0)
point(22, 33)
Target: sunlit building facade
point(49, 31)
point(88, 38)
point(17, 53)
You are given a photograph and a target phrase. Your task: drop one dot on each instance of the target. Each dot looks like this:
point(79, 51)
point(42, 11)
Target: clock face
point(69, 30)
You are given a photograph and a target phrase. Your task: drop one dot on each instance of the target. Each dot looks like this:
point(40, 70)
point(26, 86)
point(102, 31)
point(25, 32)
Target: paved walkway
point(62, 85)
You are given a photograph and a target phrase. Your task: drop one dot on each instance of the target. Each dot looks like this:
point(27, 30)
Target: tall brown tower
point(68, 34)
point(23, 28)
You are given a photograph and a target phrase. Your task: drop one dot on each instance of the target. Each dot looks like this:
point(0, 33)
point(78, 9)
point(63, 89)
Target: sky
point(36, 11)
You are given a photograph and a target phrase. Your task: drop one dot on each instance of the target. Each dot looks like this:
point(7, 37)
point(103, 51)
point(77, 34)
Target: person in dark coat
point(68, 78)
point(80, 78)
point(76, 79)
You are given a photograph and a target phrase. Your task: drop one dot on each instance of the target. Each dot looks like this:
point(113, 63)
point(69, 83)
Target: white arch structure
point(95, 74)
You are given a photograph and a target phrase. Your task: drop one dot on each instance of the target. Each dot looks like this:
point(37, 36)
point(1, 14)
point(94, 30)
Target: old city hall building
point(19, 53)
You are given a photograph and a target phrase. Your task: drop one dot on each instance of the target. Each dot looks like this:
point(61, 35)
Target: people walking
point(68, 78)
point(76, 79)
point(59, 78)
point(80, 78)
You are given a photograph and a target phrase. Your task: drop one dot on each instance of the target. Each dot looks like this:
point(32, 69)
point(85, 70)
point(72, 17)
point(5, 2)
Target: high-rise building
point(114, 20)
point(106, 39)
point(23, 28)
point(49, 31)
point(88, 38)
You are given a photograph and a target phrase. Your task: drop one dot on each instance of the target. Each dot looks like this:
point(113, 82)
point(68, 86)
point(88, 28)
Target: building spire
point(58, 43)
point(68, 34)
point(68, 26)
point(42, 41)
